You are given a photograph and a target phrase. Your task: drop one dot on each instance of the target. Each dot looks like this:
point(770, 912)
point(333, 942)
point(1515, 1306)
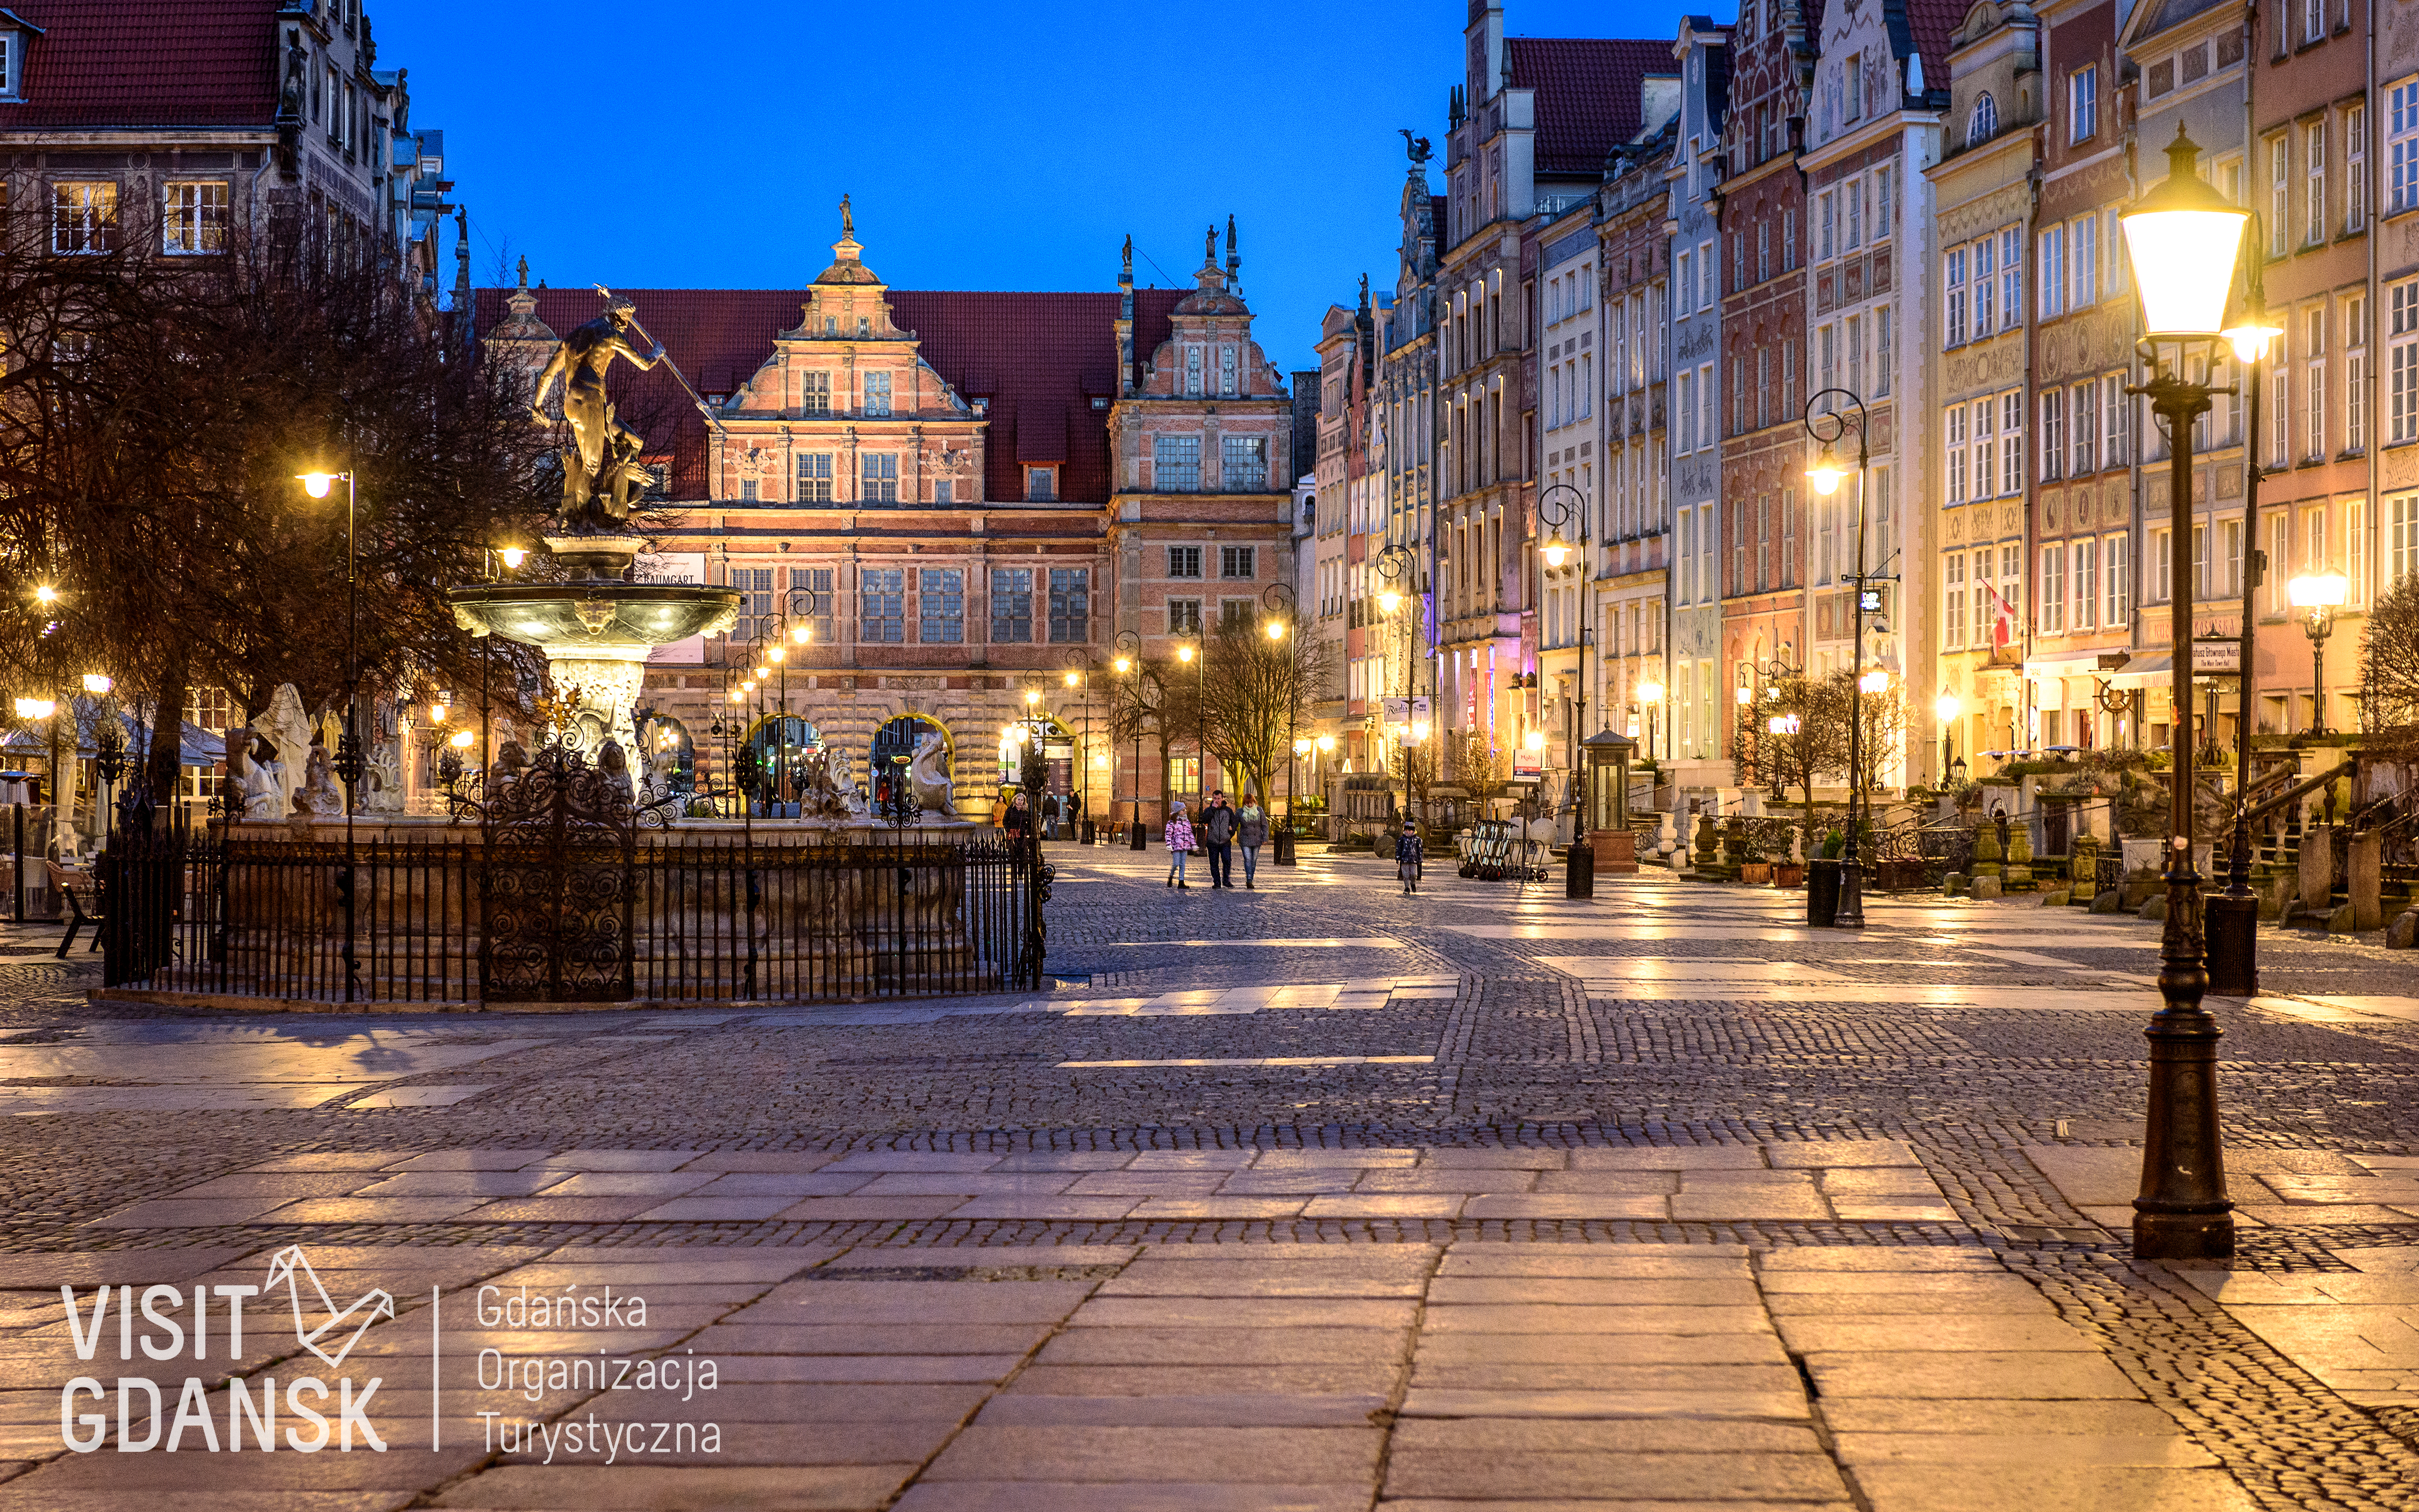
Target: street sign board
point(2217, 656)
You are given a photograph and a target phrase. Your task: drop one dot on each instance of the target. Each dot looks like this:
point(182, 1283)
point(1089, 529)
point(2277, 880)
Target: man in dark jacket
point(1218, 826)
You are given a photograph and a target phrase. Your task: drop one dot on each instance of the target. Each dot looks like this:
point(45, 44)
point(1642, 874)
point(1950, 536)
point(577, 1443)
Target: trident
point(698, 399)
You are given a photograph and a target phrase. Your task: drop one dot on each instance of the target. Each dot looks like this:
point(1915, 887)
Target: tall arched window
point(1983, 124)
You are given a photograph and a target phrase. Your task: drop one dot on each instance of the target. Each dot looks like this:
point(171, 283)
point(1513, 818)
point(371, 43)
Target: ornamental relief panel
point(2397, 467)
point(2085, 344)
point(2012, 203)
point(2398, 248)
point(1993, 364)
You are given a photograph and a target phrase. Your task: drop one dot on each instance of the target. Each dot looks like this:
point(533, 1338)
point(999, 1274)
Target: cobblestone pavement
point(1308, 1196)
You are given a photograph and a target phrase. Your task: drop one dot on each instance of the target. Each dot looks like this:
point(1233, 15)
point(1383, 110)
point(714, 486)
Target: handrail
point(2307, 786)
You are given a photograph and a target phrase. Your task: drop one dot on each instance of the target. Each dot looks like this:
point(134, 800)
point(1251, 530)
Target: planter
point(1755, 873)
point(1788, 877)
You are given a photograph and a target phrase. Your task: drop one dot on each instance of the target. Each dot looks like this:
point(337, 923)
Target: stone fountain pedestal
point(595, 628)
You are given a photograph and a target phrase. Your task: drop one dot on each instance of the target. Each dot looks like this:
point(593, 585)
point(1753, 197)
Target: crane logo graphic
point(318, 1328)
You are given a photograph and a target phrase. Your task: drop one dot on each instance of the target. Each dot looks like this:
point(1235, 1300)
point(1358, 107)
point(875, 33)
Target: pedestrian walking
point(1178, 834)
point(1050, 816)
point(1019, 818)
point(1407, 860)
point(1251, 833)
point(1218, 834)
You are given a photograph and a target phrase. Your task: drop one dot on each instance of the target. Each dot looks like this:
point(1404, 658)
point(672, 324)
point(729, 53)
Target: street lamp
point(1829, 427)
point(1197, 653)
point(2183, 237)
point(2233, 915)
point(1078, 674)
point(1650, 693)
point(1558, 505)
point(1279, 601)
point(2321, 595)
point(1946, 708)
point(349, 762)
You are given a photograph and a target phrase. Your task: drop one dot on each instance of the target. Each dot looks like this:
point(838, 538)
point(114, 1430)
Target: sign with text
point(2217, 656)
point(673, 568)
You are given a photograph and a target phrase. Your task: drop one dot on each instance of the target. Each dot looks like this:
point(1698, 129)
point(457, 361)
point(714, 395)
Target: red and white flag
point(2003, 618)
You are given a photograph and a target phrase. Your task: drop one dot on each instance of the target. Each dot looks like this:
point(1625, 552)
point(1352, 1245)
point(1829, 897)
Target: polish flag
point(2003, 618)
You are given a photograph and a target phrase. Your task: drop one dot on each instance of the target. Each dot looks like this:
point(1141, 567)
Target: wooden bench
point(65, 881)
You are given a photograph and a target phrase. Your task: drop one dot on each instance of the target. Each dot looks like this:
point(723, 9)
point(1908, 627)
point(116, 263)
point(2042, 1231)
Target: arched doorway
point(898, 738)
point(783, 745)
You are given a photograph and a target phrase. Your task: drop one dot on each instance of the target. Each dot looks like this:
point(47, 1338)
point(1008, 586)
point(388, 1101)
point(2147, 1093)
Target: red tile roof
point(146, 63)
point(1587, 94)
point(1930, 22)
point(1038, 359)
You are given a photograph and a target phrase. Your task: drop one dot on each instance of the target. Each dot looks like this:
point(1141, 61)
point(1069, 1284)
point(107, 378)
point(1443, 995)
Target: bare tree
point(2389, 659)
point(1483, 771)
point(148, 456)
point(1256, 693)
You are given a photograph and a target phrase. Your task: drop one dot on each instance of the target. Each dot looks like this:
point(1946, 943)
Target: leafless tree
point(1257, 694)
point(2389, 661)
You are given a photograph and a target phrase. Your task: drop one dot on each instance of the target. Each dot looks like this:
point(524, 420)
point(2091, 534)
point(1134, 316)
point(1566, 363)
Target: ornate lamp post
point(1195, 651)
point(2234, 915)
point(1558, 505)
point(348, 765)
point(2319, 596)
point(1829, 427)
point(1945, 710)
point(1077, 660)
point(1279, 601)
point(2181, 238)
point(1129, 664)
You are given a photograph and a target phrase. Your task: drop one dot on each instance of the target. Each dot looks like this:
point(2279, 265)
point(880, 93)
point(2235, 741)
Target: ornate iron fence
point(677, 918)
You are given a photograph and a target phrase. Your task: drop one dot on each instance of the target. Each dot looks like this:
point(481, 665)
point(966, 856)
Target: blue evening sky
point(985, 146)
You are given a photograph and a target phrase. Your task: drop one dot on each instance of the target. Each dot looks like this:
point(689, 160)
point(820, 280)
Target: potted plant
point(1753, 869)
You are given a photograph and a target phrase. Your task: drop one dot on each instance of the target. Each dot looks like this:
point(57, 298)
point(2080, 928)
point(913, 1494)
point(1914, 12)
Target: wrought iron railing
point(681, 917)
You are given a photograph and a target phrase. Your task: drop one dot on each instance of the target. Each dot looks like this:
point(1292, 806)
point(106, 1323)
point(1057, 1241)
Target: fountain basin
point(594, 619)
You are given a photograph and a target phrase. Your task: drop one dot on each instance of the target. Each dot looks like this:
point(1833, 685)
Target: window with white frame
point(2081, 414)
point(2051, 615)
point(2356, 394)
point(2401, 537)
point(2355, 167)
point(1986, 318)
point(2012, 441)
point(2052, 433)
point(1952, 627)
point(815, 397)
point(1041, 485)
point(1985, 435)
point(1884, 350)
point(1952, 284)
point(2053, 271)
point(2314, 20)
point(2356, 548)
point(2162, 559)
point(193, 216)
point(1883, 181)
point(2115, 413)
point(2402, 148)
point(2083, 103)
point(84, 216)
point(882, 603)
point(1852, 204)
point(2280, 561)
point(2280, 410)
point(1953, 452)
point(2402, 362)
point(2082, 258)
point(1982, 121)
point(1827, 209)
point(2314, 181)
point(2114, 565)
point(2083, 568)
point(2011, 278)
point(2280, 195)
point(877, 394)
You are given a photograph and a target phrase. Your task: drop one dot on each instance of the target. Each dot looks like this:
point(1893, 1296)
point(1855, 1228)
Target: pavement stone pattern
point(1301, 1197)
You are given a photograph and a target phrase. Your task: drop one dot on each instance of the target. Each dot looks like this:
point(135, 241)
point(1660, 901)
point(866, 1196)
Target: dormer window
point(12, 64)
point(864, 327)
point(1984, 123)
point(1041, 485)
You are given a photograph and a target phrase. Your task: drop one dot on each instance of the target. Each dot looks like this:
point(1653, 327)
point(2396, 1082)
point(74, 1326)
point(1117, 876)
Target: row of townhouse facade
point(1653, 263)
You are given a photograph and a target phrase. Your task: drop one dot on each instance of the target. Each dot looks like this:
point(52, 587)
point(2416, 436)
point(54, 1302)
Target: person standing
point(1251, 833)
point(1019, 818)
point(1407, 860)
point(1218, 833)
point(1177, 833)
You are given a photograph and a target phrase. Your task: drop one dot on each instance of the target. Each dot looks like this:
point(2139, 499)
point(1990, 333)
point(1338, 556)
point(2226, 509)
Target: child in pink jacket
point(1179, 845)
